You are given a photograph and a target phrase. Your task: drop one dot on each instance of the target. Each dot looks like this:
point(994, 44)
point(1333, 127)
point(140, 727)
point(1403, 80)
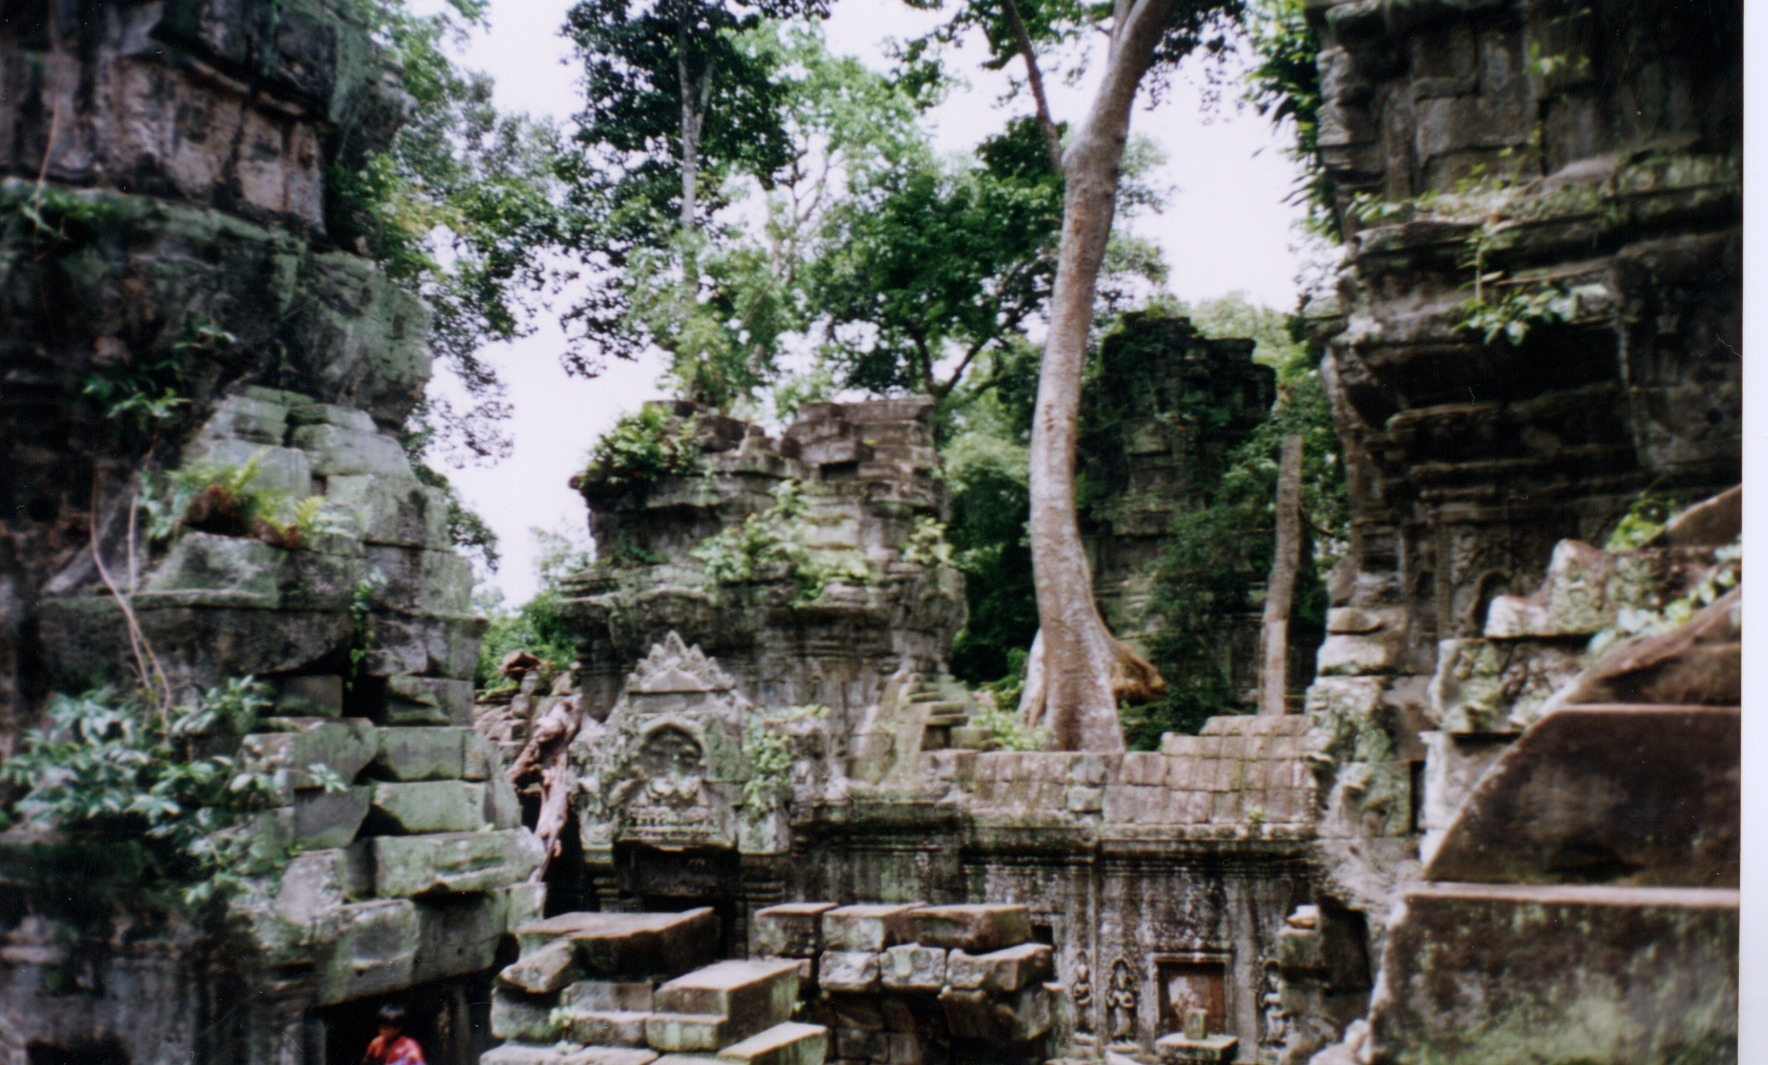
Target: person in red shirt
point(393, 1046)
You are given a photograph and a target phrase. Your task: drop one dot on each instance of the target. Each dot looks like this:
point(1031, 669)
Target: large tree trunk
point(1071, 687)
point(1273, 685)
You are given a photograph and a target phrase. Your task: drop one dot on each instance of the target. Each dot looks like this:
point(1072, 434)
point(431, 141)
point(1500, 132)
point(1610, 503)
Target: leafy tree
point(463, 205)
point(930, 260)
point(1078, 669)
point(676, 103)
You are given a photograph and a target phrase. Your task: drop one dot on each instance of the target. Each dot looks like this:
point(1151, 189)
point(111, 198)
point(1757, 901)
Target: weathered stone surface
point(1618, 794)
point(1700, 663)
point(374, 952)
point(456, 862)
point(431, 806)
point(616, 1028)
point(1560, 974)
point(336, 451)
point(1001, 970)
point(344, 746)
point(754, 994)
point(631, 944)
point(608, 995)
point(417, 753)
point(790, 930)
point(912, 967)
point(866, 927)
point(402, 513)
point(527, 1018)
point(789, 1043)
point(1010, 1019)
point(320, 695)
point(414, 700)
point(973, 928)
point(220, 570)
point(689, 1032)
point(848, 970)
point(543, 971)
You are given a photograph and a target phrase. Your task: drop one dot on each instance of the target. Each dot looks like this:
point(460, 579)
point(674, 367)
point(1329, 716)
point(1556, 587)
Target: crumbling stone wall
point(1538, 317)
point(165, 215)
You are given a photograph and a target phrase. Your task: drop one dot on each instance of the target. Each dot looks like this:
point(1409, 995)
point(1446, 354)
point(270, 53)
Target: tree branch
point(1035, 78)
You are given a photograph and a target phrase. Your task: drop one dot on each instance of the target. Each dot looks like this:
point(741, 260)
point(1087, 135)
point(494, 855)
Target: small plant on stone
point(1644, 519)
point(229, 501)
point(1008, 730)
point(776, 537)
point(926, 546)
point(643, 447)
point(1653, 620)
point(771, 749)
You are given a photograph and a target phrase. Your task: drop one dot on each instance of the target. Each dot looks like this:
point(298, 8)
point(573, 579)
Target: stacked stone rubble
point(638, 988)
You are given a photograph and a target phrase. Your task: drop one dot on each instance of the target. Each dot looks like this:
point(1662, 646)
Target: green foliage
point(771, 746)
point(537, 626)
point(111, 770)
point(1008, 731)
point(466, 207)
point(1284, 84)
point(927, 546)
point(229, 501)
point(1654, 619)
point(1644, 519)
point(642, 448)
point(1220, 552)
point(987, 469)
point(1518, 310)
point(775, 542)
point(54, 221)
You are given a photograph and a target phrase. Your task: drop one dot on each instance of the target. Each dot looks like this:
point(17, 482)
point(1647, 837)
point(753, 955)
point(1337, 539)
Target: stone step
point(975, 929)
point(1559, 974)
point(552, 1054)
point(1000, 970)
point(790, 930)
point(1617, 794)
point(753, 994)
point(690, 1032)
point(630, 944)
point(789, 1043)
point(867, 926)
point(619, 1028)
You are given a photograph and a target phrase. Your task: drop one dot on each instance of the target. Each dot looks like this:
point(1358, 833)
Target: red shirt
point(402, 1051)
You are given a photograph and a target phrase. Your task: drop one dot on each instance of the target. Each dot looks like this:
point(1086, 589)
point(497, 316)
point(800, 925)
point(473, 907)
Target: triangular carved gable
point(674, 667)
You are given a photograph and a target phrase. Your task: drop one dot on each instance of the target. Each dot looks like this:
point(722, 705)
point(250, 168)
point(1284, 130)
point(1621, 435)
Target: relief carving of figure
point(1276, 1019)
point(1080, 988)
point(1121, 1002)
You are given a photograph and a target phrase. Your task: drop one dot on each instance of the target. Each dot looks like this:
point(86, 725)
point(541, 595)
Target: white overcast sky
point(1226, 228)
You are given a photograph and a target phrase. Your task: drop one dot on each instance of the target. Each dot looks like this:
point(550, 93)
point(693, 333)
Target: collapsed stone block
point(431, 806)
point(419, 753)
point(544, 971)
point(912, 967)
point(689, 1031)
point(1001, 970)
point(621, 1028)
point(792, 930)
point(344, 745)
point(631, 944)
point(976, 1014)
point(848, 970)
point(753, 994)
point(451, 862)
point(374, 952)
point(320, 695)
point(788, 1043)
point(526, 1018)
point(335, 451)
point(866, 927)
point(974, 929)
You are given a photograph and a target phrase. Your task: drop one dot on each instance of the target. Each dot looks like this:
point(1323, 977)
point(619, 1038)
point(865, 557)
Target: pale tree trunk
point(696, 96)
point(1071, 688)
point(1280, 589)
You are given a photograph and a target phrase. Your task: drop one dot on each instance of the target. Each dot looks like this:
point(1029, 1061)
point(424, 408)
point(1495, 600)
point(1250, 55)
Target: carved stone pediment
point(674, 668)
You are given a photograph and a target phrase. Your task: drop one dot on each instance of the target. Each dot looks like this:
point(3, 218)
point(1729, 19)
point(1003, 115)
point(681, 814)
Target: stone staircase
point(643, 988)
point(884, 983)
point(946, 704)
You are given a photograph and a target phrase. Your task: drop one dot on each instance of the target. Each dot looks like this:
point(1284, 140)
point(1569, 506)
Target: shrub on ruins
point(228, 501)
point(641, 448)
point(154, 784)
point(776, 544)
point(536, 626)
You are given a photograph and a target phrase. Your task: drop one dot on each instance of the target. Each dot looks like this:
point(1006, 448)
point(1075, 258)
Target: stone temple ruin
point(771, 827)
